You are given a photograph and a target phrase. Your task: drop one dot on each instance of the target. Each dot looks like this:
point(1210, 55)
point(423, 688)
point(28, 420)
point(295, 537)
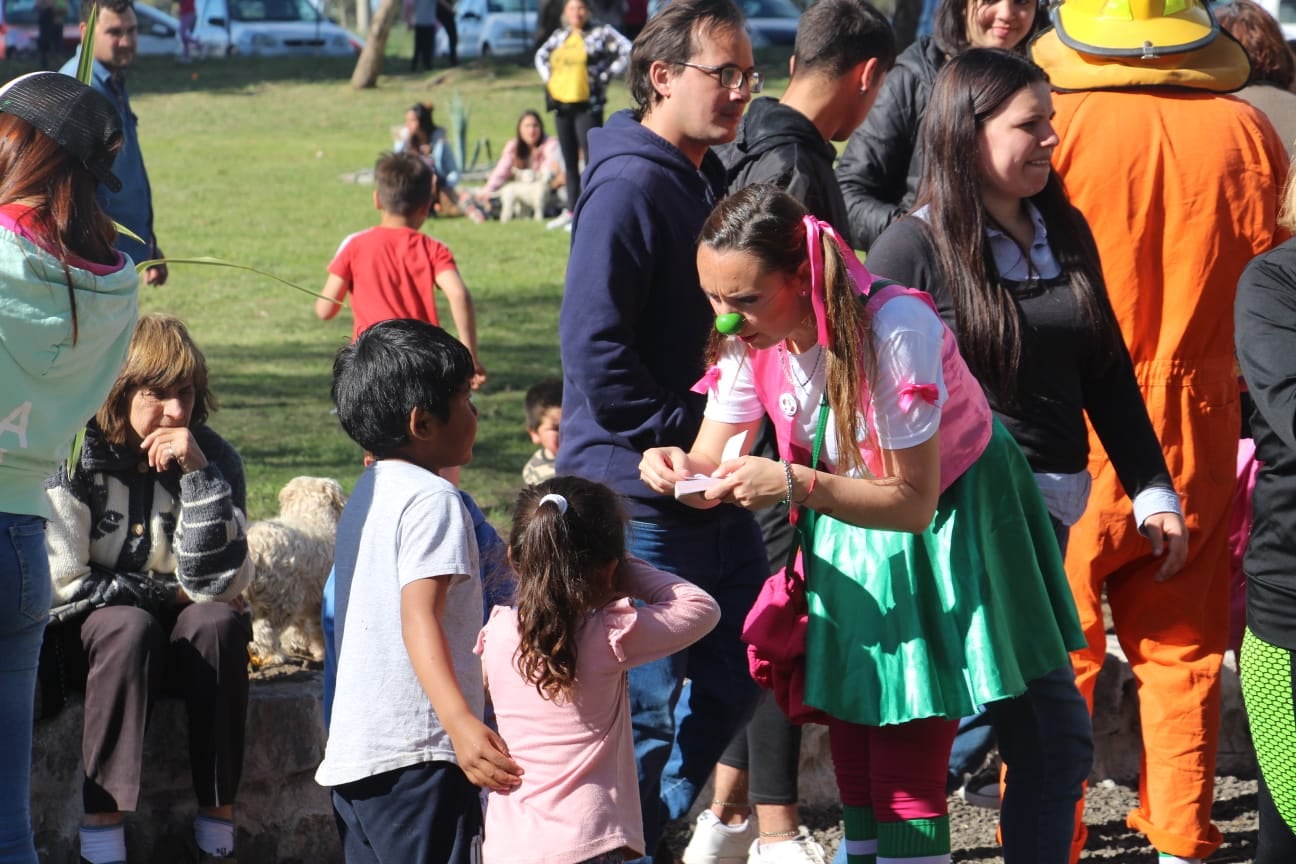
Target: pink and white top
point(921, 385)
point(579, 795)
point(545, 158)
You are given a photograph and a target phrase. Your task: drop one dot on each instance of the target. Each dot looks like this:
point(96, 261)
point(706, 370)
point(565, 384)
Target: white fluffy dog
point(291, 555)
point(526, 195)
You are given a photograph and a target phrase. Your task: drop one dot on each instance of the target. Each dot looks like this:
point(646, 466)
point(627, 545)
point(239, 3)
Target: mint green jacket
point(50, 387)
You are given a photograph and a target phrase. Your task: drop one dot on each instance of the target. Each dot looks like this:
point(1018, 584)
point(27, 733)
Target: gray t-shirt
point(401, 523)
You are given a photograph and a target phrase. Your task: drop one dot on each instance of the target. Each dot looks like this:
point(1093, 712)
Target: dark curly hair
point(556, 556)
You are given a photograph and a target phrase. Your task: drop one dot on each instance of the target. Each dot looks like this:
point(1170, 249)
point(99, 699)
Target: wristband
point(814, 478)
point(787, 475)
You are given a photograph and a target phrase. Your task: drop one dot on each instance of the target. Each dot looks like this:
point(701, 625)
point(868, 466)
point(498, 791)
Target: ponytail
point(566, 530)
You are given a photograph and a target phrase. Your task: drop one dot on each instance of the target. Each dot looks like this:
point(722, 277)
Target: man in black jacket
point(844, 49)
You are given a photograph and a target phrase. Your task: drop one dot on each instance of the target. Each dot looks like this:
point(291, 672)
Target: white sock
point(1167, 858)
point(103, 844)
point(214, 836)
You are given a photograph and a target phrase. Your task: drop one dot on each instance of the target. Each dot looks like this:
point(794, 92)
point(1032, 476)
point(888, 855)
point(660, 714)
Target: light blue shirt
point(132, 207)
point(49, 384)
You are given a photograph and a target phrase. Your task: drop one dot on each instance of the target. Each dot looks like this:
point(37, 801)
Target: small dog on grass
point(527, 194)
point(291, 555)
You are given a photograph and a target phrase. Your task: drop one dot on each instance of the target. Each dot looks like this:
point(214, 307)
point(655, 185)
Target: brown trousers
point(196, 652)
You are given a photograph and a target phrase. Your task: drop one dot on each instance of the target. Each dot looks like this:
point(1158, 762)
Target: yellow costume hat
point(1105, 44)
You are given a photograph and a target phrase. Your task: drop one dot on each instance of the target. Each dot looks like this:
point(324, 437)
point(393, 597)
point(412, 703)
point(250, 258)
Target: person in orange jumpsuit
point(1181, 186)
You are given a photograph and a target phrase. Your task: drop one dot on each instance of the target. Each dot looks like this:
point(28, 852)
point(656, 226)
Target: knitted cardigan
point(183, 536)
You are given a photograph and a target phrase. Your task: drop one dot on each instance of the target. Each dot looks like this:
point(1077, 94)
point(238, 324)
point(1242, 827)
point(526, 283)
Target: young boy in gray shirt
point(407, 748)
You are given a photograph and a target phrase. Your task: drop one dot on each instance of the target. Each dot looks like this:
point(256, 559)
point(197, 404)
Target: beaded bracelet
point(787, 474)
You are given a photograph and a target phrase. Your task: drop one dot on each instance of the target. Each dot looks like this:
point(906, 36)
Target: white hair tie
point(555, 499)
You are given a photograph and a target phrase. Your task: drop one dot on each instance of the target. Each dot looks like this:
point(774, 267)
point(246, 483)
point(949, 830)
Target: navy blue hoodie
point(634, 321)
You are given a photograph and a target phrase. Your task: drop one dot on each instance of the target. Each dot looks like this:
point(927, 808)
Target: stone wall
point(285, 818)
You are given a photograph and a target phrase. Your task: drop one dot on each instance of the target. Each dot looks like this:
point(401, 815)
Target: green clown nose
point(729, 323)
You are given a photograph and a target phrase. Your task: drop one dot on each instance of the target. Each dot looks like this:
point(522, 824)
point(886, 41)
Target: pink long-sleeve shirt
point(579, 795)
point(543, 158)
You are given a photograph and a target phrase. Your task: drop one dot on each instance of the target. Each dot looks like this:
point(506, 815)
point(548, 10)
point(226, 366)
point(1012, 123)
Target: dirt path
point(972, 829)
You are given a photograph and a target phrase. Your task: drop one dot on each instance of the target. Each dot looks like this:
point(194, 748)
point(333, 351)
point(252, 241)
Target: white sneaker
point(801, 849)
point(562, 220)
point(984, 795)
point(982, 788)
point(714, 842)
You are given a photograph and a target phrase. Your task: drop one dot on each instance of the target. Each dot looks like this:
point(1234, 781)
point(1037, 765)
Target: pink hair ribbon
point(814, 251)
point(910, 393)
point(708, 382)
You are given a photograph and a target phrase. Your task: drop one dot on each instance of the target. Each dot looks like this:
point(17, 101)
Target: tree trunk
point(369, 65)
point(362, 15)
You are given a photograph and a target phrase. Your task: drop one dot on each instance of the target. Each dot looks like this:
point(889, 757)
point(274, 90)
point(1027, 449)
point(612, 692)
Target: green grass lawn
point(245, 156)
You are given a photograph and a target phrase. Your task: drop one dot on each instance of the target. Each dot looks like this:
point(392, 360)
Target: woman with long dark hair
point(883, 161)
point(1014, 271)
point(67, 306)
point(429, 142)
point(530, 153)
point(933, 579)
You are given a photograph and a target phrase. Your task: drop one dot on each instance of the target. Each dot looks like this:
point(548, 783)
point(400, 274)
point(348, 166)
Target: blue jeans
point(972, 743)
point(24, 608)
point(682, 726)
point(1046, 741)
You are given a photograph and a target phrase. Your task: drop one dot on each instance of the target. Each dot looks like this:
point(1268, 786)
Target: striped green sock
point(914, 841)
point(861, 835)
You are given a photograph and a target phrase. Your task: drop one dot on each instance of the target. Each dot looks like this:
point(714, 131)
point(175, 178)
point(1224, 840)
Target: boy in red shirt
point(391, 270)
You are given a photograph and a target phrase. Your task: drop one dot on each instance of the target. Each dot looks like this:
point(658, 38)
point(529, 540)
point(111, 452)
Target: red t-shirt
point(391, 273)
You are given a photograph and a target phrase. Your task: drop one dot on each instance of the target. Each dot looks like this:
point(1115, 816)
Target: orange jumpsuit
point(1182, 189)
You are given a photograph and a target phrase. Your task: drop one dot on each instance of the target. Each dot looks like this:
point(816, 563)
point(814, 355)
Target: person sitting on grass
point(390, 270)
point(530, 155)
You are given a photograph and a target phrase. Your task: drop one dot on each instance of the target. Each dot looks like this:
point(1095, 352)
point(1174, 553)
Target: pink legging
point(898, 771)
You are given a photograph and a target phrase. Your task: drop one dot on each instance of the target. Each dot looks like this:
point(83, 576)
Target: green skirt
point(905, 626)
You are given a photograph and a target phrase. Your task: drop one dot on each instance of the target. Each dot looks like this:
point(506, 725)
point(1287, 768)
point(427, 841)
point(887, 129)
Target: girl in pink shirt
point(555, 666)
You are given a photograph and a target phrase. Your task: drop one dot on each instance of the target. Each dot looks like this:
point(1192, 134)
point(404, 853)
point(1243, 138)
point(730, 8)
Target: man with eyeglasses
point(633, 328)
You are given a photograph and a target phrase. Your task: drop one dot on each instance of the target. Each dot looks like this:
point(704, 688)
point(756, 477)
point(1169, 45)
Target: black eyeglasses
point(730, 76)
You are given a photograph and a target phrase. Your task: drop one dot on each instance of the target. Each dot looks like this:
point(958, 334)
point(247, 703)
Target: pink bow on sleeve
point(707, 383)
point(929, 393)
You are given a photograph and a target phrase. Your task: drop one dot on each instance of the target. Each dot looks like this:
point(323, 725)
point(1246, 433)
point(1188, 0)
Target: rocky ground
point(972, 829)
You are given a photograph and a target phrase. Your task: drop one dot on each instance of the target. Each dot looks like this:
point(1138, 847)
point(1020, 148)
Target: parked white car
point(500, 27)
point(159, 33)
point(1285, 12)
point(271, 28)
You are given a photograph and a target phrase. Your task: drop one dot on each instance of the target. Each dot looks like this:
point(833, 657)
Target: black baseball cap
point(79, 118)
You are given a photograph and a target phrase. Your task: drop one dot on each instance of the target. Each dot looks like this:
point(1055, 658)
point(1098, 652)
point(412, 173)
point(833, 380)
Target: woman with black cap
point(68, 303)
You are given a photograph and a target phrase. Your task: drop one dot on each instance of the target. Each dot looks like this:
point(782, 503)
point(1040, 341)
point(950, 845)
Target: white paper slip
point(701, 482)
point(696, 483)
